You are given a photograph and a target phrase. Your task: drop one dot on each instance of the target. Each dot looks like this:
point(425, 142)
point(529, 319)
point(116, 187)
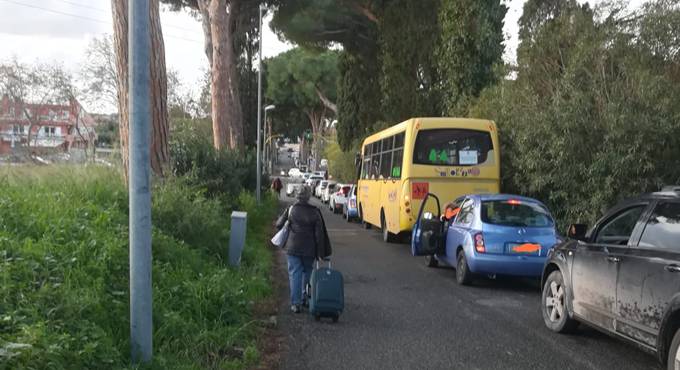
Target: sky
point(60, 30)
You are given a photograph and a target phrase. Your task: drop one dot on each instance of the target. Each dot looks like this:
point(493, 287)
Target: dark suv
point(622, 276)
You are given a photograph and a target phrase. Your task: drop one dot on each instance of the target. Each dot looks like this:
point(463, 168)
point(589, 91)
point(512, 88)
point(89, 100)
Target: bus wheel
point(365, 224)
point(388, 237)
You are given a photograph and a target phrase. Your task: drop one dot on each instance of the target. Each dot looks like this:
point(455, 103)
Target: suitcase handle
point(330, 265)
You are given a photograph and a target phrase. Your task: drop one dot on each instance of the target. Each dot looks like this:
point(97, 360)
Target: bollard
point(237, 237)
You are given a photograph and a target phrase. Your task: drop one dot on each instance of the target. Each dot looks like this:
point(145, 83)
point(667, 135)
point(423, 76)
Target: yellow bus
point(448, 157)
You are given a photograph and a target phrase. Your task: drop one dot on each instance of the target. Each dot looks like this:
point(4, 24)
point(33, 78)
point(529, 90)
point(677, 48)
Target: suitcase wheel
point(336, 318)
point(317, 317)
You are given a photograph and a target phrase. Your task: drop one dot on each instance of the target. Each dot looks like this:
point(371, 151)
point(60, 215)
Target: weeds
point(64, 272)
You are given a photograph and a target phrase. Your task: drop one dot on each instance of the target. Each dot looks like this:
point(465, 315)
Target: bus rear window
point(452, 147)
point(515, 213)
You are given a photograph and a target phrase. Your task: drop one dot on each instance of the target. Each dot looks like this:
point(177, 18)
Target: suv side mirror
point(577, 231)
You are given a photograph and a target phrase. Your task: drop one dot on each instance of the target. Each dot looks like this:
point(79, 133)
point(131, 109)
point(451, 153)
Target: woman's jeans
point(299, 272)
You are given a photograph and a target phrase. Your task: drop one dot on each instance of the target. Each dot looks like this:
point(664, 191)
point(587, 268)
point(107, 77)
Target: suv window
point(466, 213)
point(617, 229)
point(663, 227)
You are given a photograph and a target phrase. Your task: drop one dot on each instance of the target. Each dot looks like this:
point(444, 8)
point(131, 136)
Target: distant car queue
point(621, 276)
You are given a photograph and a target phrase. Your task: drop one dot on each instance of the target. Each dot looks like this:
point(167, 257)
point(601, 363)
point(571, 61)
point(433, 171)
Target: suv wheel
point(554, 298)
point(674, 352)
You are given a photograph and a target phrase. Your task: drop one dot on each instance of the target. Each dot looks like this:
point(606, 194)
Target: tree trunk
point(316, 119)
point(159, 150)
point(219, 86)
point(120, 43)
point(236, 123)
point(207, 34)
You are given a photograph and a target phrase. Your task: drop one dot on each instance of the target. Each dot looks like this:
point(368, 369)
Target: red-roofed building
point(56, 128)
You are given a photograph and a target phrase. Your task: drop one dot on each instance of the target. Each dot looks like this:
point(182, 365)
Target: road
point(400, 314)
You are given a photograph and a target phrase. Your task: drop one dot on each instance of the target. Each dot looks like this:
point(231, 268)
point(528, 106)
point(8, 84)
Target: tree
point(592, 116)
point(297, 79)
point(408, 35)
point(99, 74)
point(159, 150)
point(471, 44)
point(354, 24)
point(224, 22)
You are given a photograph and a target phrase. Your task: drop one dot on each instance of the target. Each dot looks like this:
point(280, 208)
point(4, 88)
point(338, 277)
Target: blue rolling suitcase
point(328, 293)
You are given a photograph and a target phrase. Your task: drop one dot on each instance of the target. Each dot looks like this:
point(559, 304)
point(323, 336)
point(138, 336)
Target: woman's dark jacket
point(307, 236)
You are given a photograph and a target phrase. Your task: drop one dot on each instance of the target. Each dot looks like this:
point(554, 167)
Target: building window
point(50, 131)
point(18, 129)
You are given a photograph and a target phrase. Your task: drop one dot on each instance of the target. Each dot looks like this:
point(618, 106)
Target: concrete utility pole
point(259, 114)
point(139, 40)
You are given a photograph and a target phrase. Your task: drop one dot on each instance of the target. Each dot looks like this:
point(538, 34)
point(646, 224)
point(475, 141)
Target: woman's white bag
point(281, 237)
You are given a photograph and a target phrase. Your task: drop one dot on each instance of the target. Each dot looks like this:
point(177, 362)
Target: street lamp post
point(265, 148)
point(259, 115)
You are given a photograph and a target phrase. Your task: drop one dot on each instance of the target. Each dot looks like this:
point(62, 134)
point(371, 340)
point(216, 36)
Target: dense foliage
point(220, 174)
point(471, 45)
point(592, 116)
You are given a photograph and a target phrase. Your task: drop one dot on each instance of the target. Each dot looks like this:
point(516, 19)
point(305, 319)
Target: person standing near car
point(307, 241)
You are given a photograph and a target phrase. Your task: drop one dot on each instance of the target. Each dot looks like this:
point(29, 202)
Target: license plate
point(524, 248)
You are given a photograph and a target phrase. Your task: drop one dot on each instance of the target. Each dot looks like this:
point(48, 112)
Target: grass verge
point(64, 272)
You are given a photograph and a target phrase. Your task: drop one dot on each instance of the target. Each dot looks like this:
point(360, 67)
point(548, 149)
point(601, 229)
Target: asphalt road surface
point(400, 314)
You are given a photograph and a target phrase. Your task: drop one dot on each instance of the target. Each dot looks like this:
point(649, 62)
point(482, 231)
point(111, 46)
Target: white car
point(330, 189)
point(320, 188)
point(312, 180)
point(292, 188)
point(339, 198)
point(294, 172)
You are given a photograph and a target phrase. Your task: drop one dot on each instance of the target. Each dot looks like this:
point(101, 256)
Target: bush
point(340, 163)
point(596, 121)
point(64, 258)
point(221, 174)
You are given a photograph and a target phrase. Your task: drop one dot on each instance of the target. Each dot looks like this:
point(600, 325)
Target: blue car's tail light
point(479, 243)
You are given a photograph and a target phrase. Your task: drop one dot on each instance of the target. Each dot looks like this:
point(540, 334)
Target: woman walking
point(307, 241)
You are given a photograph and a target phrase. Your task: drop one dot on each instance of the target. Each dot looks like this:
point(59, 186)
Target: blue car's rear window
point(515, 213)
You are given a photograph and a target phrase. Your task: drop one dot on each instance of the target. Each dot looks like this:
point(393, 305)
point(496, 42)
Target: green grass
point(64, 274)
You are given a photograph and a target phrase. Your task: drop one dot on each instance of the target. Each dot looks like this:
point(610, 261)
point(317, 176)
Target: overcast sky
point(59, 30)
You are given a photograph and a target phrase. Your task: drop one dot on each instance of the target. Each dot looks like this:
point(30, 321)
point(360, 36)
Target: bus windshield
point(452, 147)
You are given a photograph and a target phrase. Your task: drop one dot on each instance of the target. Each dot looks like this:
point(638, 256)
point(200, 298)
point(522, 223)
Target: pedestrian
point(307, 241)
point(277, 186)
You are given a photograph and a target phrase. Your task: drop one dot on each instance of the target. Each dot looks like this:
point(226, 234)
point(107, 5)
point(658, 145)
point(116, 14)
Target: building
point(54, 127)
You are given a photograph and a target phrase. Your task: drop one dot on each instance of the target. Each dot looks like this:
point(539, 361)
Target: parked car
point(326, 194)
point(312, 180)
point(294, 172)
point(622, 276)
point(292, 188)
point(491, 234)
point(350, 211)
point(320, 188)
point(338, 199)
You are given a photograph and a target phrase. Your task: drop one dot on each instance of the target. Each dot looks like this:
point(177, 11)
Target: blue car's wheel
point(463, 274)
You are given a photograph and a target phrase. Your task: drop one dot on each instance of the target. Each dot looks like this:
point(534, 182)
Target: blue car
point(487, 234)
point(350, 210)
